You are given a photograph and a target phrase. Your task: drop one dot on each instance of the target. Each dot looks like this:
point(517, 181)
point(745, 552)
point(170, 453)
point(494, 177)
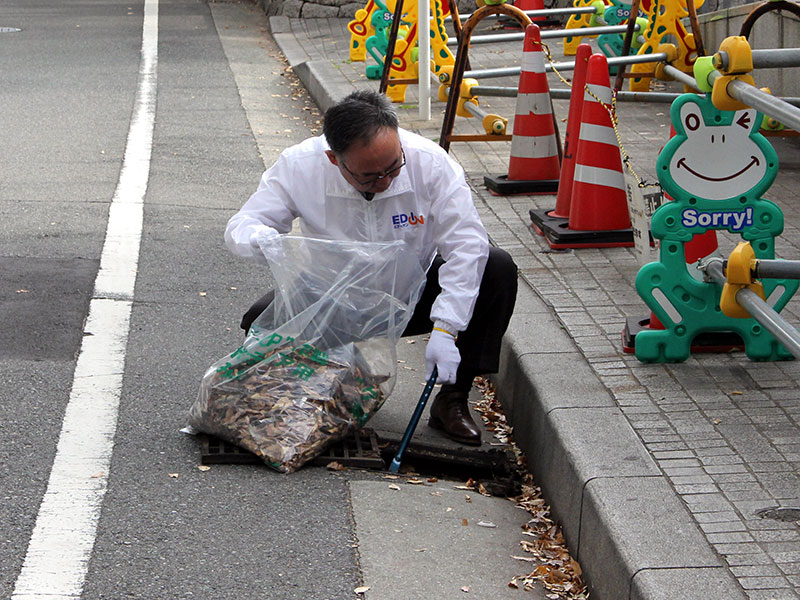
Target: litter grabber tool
point(412, 424)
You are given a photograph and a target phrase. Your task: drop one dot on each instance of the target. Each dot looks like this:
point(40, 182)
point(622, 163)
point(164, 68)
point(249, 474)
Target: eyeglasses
point(372, 179)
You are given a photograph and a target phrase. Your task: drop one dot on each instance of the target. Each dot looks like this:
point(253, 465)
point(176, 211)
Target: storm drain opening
point(363, 449)
point(787, 514)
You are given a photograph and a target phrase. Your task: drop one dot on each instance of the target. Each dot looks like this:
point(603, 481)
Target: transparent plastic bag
point(321, 359)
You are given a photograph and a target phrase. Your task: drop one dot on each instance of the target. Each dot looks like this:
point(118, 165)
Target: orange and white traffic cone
point(552, 220)
point(598, 214)
point(533, 167)
point(541, 21)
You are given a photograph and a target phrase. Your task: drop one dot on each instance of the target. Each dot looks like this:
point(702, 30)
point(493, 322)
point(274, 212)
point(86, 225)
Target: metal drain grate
point(788, 514)
point(359, 450)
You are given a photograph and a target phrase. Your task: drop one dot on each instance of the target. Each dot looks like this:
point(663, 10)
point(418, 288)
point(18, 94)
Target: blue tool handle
point(394, 467)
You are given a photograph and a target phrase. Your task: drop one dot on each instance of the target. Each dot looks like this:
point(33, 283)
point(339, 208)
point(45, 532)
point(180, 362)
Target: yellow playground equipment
point(579, 21)
point(665, 20)
point(368, 34)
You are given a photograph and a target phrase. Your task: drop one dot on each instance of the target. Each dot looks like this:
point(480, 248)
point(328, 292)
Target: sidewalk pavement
point(657, 472)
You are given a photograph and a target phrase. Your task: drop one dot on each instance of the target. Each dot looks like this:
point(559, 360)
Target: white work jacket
point(428, 205)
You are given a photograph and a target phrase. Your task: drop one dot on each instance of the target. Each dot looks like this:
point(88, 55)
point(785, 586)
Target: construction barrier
point(742, 295)
point(716, 169)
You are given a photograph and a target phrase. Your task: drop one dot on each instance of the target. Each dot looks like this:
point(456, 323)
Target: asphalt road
point(69, 83)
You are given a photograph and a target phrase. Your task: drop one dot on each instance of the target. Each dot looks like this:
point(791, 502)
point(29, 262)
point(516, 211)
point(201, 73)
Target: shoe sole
point(436, 424)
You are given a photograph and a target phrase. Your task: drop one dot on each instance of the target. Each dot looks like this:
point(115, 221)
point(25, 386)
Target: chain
point(549, 57)
point(612, 112)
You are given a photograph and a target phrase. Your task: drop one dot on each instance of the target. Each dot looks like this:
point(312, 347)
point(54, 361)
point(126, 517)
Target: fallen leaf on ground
point(361, 589)
point(394, 486)
point(335, 466)
point(465, 522)
point(203, 468)
point(173, 475)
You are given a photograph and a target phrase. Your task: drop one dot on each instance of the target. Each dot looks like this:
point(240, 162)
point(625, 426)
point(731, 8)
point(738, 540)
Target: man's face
point(371, 167)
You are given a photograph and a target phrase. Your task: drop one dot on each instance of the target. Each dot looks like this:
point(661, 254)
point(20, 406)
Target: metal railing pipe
point(541, 12)
point(776, 269)
point(566, 93)
point(762, 312)
point(681, 77)
point(547, 34)
point(564, 66)
point(769, 105)
point(769, 58)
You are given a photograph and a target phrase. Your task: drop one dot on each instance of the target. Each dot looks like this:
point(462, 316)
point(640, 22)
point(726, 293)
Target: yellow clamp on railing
point(740, 63)
point(671, 50)
point(494, 124)
point(465, 95)
point(739, 273)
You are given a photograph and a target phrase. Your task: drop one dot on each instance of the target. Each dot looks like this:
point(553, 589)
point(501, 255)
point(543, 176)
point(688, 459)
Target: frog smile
point(753, 161)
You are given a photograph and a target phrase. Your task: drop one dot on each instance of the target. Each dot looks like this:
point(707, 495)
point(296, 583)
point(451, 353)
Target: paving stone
point(774, 594)
point(725, 526)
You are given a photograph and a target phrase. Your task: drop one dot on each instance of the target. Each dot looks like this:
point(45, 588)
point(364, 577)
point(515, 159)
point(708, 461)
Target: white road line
point(58, 554)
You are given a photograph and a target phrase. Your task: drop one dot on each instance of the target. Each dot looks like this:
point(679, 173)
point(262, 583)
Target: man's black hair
point(357, 118)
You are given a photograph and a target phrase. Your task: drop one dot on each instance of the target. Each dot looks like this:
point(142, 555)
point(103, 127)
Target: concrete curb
point(631, 533)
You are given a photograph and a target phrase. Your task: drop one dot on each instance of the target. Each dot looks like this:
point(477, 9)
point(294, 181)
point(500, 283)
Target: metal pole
point(424, 59)
point(776, 269)
point(542, 12)
point(547, 34)
point(771, 58)
point(681, 77)
point(565, 94)
point(769, 105)
point(762, 312)
point(565, 66)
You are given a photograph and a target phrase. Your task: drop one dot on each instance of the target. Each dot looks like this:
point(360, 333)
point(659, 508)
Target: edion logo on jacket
point(404, 220)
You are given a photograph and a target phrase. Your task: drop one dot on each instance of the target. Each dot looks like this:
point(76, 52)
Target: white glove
point(263, 233)
point(261, 239)
point(442, 353)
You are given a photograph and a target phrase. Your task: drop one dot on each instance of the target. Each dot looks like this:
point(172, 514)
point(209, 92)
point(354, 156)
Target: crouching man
point(366, 179)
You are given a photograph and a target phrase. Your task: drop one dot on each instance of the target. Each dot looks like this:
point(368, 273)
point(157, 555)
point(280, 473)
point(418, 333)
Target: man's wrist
point(445, 327)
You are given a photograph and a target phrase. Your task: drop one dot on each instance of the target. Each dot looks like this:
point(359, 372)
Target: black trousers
point(479, 344)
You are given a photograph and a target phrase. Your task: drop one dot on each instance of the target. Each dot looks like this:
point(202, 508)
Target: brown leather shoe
point(450, 415)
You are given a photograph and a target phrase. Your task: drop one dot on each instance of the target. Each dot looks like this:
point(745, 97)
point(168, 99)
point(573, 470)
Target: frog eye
point(692, 122)
point(744, 120)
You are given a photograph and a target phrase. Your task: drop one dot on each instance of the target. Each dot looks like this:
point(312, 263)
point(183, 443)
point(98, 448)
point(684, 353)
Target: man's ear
point(332, 158)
